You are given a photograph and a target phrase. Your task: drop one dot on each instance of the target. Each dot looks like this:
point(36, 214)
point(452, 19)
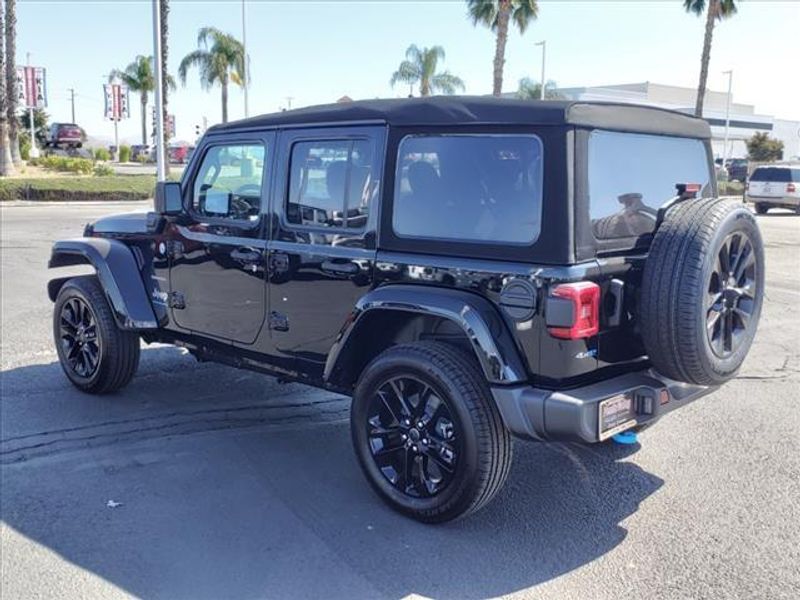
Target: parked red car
point(66, 135)
point(179, 154)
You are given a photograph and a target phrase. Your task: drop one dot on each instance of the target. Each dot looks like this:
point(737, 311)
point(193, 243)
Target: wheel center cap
point(413, 434)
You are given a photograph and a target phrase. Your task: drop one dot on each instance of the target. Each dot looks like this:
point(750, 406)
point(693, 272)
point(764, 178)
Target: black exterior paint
point(292, 300)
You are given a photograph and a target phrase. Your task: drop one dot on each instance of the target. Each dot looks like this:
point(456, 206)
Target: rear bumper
point(775, 200)
point(572, 415)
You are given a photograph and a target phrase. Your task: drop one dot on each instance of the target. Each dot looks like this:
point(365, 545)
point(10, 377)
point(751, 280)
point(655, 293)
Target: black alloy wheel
point(427, 433)
point(96, 355)
point(79, 339)
point(413, 436)
point(732, 290)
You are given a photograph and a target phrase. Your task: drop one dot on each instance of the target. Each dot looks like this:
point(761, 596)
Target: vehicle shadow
point(258, 509)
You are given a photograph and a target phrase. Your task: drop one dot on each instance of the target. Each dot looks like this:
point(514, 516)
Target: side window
point(469, 188)
point(228, 183)
point(331, 183)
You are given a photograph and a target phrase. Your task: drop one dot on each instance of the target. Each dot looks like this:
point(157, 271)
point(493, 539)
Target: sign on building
point(32, 87)
point(117, 105)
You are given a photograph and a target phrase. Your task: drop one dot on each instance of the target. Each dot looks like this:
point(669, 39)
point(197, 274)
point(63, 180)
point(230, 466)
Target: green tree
point(497, 16)
point(532, 90)
point(41, 123)
point(420, 66)
point(715, 10)
point(762, 148)
point(6, 162)
point(138, 76)
point(220, 60)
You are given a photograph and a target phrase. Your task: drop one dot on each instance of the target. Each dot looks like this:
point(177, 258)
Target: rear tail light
point(585, 299)
point(790, 188)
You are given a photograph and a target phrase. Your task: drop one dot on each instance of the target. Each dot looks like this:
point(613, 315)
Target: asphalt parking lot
point(200, 481)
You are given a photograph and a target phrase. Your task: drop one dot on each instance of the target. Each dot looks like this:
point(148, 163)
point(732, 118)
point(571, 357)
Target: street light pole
point(72, 100)
point(727, 115)
point(160, 157)
point(543, 44)
point(246, 74)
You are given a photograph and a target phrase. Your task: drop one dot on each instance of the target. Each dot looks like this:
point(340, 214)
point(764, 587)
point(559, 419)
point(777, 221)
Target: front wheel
point(95, 354)
point(427, 433)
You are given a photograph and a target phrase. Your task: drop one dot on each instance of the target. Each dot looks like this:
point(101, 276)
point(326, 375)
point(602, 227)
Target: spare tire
point(702, 290)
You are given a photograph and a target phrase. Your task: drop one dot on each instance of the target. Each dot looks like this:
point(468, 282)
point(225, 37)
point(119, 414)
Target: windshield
point(632, 175)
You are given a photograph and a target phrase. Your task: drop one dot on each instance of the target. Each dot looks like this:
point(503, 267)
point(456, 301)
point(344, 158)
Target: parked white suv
point(775, 186)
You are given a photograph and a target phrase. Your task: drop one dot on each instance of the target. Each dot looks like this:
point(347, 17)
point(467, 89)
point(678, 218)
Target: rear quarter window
point(469, 188)
point(776, 174)
point(632, 175)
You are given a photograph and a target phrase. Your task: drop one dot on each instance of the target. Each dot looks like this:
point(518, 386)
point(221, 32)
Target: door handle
point(246, 255)
point(347, 268)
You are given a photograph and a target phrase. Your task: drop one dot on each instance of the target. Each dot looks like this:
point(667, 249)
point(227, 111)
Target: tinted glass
point(228, 183)
point(777, 174)
point(632, 175)
point(472, 188)
point(331, 183)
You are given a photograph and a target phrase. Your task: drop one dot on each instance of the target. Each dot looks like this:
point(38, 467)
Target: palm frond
point(523, 12)
point(483, 12)
point(447, 83)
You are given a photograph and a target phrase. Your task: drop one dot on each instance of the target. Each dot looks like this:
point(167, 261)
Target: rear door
point(322, 243)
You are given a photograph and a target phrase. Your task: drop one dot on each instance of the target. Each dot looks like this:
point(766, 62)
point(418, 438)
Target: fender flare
point(479, 319)
point(118, 273)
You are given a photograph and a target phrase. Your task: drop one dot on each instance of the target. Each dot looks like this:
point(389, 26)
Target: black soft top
point(482, 110)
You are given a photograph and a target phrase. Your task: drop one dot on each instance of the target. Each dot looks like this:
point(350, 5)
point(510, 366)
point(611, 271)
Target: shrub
point(25, 149)
point(102, 154)
point(142, 158)
point(103, 171)
point(67, 164)
point(124, 153)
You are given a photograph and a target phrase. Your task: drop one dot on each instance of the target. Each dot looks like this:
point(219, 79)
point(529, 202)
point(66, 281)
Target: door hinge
point(174, 248)
point(177, 300)
point(278, 321)
point(278, 262)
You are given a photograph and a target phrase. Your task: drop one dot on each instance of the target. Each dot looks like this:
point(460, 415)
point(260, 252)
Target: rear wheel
point(96, 355)
point(427, 434)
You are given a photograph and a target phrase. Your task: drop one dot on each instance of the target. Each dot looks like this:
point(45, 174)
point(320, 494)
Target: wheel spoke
point(400, 395)
point(744, 261)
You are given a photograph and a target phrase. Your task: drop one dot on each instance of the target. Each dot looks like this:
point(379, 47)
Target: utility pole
point(543, 44)
point(246, 74)
point(72, 101)
point(289, 102)
point(34, 152)
point(727, 115)
point(160, 155)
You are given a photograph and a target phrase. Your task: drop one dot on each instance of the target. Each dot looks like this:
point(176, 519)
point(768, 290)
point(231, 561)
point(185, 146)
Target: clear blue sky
point(319, 51)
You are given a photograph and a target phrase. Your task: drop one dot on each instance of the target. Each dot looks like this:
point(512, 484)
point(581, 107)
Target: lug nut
point(403, 437)
point(414, 448)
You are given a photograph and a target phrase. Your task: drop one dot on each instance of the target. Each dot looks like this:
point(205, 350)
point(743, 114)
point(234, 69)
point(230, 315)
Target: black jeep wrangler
point(467, 269)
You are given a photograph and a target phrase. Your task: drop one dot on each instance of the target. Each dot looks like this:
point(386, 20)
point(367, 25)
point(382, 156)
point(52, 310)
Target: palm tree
point(6, 163)
point(11, 79)
point(420, 67)
point(715, 10)
point(532, 90)
point(139, 77)
point(221, 63)
point(496, 15)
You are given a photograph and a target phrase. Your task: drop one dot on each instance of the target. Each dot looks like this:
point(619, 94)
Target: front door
point(322, 244)
point(218, 255)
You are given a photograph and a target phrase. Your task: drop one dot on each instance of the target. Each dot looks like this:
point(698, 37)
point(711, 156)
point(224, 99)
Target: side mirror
point(168, 199)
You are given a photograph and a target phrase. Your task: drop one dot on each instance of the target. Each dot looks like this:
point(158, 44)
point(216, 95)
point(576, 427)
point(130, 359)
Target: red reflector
point(790, 187)
point(663, 397)
point(585, 298)
point(693, 187)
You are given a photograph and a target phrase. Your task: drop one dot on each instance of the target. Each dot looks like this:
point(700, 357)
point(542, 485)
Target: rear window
point(777, 174)
point(469, 188)
point(632, 175)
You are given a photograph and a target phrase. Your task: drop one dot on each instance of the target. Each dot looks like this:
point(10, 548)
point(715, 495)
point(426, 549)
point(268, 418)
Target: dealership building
point(744, 120)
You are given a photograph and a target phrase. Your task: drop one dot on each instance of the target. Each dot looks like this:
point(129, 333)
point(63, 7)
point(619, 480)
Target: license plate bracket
point(615, 414)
